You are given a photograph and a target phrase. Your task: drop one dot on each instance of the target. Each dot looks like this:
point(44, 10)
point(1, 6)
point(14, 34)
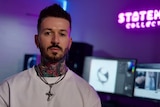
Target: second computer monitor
point(147, 81)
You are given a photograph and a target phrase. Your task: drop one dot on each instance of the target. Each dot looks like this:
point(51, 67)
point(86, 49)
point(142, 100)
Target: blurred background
point(94, 23)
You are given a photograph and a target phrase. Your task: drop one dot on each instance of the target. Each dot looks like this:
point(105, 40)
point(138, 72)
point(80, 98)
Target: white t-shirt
point(26, 89)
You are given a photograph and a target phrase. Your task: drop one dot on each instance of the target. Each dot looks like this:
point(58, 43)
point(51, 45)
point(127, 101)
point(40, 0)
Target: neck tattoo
point(52, 70)
point(49, 93)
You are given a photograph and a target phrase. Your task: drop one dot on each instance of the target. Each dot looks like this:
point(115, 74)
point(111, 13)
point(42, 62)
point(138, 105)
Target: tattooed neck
point(53, 69)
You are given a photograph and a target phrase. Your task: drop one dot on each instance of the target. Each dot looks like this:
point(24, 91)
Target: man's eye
point(62, 34)
point(47, 33)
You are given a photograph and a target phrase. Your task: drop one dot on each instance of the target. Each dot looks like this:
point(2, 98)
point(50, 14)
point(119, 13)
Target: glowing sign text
point(140, 19)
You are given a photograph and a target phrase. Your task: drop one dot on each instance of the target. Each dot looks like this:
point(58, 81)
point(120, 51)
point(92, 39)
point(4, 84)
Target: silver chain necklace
point(49, 93)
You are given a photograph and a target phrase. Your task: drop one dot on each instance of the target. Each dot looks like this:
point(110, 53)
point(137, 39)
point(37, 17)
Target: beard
point(53, 57)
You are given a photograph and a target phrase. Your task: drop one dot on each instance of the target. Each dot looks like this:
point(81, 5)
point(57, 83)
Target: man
point(50, 83)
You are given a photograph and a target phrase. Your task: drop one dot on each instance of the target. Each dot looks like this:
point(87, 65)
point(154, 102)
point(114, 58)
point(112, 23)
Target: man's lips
point(54, 49)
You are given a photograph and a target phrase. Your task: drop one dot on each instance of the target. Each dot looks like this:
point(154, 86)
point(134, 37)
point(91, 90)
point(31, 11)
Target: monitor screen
point(115, 76)
point(147, 81)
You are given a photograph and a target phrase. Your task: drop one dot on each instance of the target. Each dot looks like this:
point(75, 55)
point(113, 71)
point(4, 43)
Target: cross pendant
point(49, 93)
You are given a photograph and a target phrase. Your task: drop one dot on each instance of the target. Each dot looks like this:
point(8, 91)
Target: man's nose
point(55, 38)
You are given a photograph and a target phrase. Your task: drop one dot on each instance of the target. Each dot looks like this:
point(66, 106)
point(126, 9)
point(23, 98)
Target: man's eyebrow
point(63, 30)
point(46, 29)
point(51, 30)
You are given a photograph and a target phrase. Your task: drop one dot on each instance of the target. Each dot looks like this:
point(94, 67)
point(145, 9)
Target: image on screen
point(147, 82)
point(115, 76)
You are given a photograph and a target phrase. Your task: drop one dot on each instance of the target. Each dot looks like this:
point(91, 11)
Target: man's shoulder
point(21, 76)
point(83, 86)
point(80, 81)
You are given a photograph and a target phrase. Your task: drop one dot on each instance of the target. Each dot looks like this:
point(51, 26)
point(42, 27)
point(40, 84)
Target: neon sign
point(140, 19)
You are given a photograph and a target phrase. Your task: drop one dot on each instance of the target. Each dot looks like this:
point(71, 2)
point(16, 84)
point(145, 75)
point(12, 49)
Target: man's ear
point(36, 40)
point(70, 42)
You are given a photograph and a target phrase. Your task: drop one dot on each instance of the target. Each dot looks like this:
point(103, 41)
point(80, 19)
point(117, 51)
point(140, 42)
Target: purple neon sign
point(140, 19)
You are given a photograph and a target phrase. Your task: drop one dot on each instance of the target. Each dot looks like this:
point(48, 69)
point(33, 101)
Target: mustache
point(54, 46)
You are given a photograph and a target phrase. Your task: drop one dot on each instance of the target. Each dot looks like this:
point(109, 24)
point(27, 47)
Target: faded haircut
point(54, 10)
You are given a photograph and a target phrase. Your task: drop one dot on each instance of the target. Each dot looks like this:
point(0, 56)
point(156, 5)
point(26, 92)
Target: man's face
point(54, 39)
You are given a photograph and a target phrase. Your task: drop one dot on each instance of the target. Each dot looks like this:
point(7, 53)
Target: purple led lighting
point(140, 19)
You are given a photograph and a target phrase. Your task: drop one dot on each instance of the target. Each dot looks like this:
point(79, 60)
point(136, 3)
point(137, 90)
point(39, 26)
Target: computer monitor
point(113, 76)
point(147, 81)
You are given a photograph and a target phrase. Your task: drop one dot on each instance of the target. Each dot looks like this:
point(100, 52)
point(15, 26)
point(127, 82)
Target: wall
point(17, 29)
point(94, 22)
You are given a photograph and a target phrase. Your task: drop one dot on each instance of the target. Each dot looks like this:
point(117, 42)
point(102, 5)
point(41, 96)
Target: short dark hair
point(54, 10)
